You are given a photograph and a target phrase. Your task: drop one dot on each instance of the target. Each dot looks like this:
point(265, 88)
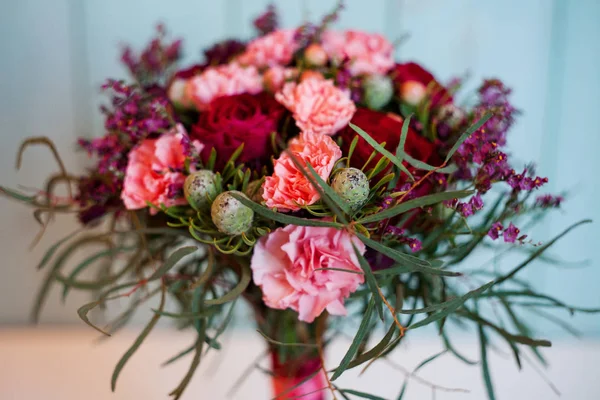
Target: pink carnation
point(155, 171)
point(276, 76)
point(275, 48)
point(369, 53)
point(317, 105)
point(288, 189)
point(222, 80)
point(284, 264)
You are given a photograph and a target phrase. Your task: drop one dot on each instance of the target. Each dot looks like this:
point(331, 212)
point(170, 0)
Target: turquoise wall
point(54, 57)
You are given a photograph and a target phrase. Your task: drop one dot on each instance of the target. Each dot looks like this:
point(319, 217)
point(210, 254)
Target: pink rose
point(288, 189)
point(317, 105)
point(275, 48)
point(284, 265)
point(222, 80)
point(368, 53)
point(155, 171)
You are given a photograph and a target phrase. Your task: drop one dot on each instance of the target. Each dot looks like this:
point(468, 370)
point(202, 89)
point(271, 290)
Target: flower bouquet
point(308, 174)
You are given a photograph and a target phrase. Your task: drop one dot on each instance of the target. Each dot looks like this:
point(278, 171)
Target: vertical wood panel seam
point(81, 95)
point(549, 144)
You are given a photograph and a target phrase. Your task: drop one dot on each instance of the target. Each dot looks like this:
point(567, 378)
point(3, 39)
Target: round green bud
point(379, 90)
point(352, 185)
point(229, 215)
point(255, 191)
point(199, 188)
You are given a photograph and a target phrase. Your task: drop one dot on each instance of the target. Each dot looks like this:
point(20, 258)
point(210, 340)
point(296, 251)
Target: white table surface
point(70, 364)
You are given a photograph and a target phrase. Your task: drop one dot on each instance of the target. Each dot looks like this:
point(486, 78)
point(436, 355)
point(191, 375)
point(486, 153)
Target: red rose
point(384, 128)
point(189, 72)
point(233, 120)
point(406, 75)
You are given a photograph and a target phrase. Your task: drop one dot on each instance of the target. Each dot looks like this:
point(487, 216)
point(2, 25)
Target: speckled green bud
point(352, 185)
point(199, 188)
point(229, 215)
point(255, 191)
point(379, 91)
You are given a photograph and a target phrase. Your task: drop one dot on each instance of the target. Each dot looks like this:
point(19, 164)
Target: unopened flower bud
point(315, 55)
point(378, 91)
point(255, 191)
point(229, 215)
point(177, 92)
point(412, 92)
point(352, 185)
point(452, 115)
point(199, 188)
point(311, 74)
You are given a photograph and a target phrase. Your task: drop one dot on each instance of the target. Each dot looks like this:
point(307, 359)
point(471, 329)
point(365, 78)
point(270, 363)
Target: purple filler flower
point(511, 233)
point(495, 230)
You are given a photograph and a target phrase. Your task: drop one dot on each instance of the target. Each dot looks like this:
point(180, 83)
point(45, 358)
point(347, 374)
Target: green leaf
point(282, 218)
point(186, 315)
point(382, 150)
point(421, 365)
point(236, 291)
point(376, 350)
point(278, 343)
point(85, 309)
point(70, 280)
point(485, 369)
point(52, 249)
point(212, 158)
point(324, 196)
point(362, 395)
point(56, 267)
point(16, 195)
point(452, 306)
point(136, 345)
point(554, 302)
point(452, 350)
point(415, 203)
point(179, 355)
point(172, 260)
point(409, 263)
point(178, 391)
point(358, 338)
point(371, 282)
point(352, 147)
point(424, 166)
point(403, 135)
point(468, 133)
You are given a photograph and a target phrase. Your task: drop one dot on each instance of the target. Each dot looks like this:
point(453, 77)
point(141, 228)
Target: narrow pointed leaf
point(408, 263)
point(485, 369)
point(283, 218)
point(358, 339)
point(415, 203)
point(382, 150)
point(136, 345)
point(468, 133)
point(453, 306)
point(362, 395)
point(371, 281)
point(236, 291)
point(172, 260)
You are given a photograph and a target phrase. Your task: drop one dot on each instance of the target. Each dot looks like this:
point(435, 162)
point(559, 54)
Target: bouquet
point(308, 174)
